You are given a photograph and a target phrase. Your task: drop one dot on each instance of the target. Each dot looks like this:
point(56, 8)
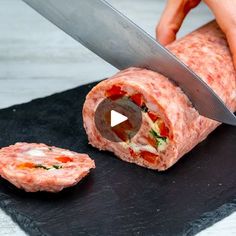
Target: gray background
point(37, 59)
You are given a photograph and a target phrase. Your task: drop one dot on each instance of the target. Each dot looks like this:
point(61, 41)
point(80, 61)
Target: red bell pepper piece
point(115, 92)
point(153, 116)
point(137, 99)
point(149, 157)
point(64, 159)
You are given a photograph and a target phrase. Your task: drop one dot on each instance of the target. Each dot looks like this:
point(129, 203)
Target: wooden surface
point(37, 59)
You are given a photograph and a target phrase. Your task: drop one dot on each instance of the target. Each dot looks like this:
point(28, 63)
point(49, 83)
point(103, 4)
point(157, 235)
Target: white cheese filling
point(161, 143)
point(36, 153)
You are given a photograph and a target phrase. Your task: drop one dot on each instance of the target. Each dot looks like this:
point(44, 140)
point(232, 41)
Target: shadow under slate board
point(117, 198)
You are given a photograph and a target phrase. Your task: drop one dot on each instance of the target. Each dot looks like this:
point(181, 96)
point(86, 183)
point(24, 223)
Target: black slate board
point(117, 198)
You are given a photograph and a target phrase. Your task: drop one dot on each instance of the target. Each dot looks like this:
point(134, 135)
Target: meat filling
point(154, 137)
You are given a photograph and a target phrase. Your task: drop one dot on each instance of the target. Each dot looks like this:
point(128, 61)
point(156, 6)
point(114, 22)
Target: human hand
point(176, 10)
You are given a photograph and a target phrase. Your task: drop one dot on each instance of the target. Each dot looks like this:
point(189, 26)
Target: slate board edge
point(26, 223)
point(192, 228)
point(210, 218)
point(89, 85)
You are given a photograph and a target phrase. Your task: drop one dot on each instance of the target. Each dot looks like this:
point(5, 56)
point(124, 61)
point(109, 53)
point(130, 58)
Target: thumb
point(172, 19)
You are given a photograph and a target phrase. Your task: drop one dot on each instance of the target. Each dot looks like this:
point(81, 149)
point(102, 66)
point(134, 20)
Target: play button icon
point(118, 120)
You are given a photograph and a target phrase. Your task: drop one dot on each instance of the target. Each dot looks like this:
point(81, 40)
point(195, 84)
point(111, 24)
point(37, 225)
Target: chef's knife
point(116, 39)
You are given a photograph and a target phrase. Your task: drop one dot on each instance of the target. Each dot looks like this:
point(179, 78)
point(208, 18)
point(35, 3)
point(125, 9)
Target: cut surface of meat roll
point(38, 167)
point(171, 126)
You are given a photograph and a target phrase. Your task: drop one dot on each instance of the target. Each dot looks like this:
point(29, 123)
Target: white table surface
point(37, 59)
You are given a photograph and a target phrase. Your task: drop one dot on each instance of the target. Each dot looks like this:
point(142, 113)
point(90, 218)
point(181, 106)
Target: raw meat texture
point(38, 167)
point(206, 52)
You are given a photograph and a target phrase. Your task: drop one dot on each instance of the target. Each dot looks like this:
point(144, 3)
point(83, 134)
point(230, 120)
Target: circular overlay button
point(118, 120)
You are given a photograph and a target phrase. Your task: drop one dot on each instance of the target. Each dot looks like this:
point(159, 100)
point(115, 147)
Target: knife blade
point(112, 36)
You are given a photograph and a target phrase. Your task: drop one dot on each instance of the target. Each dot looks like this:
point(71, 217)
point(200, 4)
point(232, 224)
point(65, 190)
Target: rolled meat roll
point(171, 126)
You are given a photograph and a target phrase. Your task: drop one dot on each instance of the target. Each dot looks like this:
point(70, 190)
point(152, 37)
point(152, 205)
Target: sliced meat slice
point(38, 167)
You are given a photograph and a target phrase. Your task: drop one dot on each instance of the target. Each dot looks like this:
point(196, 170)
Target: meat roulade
point(171, 126)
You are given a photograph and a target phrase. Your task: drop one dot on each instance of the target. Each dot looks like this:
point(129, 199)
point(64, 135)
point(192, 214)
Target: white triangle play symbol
point(117, 118)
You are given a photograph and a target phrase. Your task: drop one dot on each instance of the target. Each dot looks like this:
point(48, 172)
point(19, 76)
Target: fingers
point(225, 13)
point(231, 37)
point(172, 19)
